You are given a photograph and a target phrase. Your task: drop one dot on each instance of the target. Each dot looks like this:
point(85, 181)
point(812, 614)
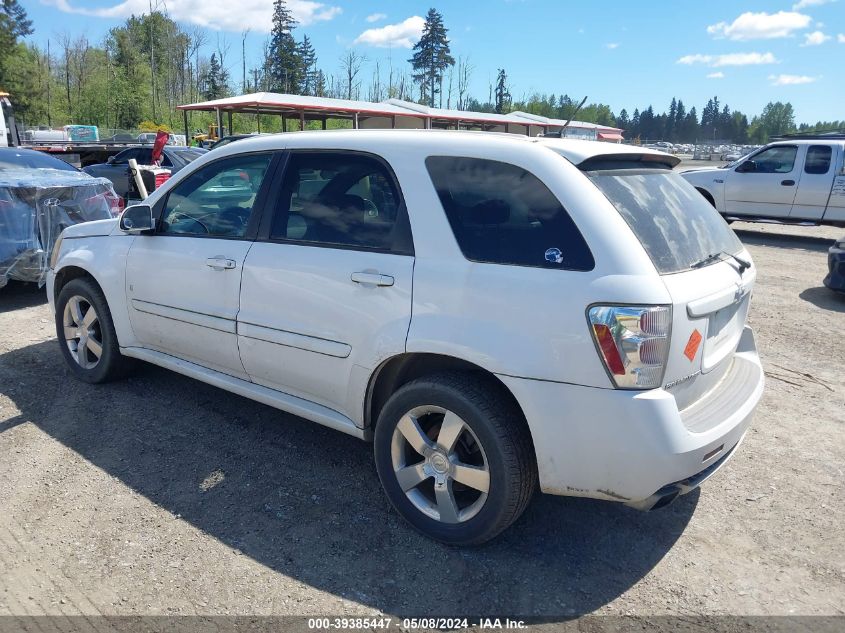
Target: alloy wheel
point(440, 464)
point(82, 332)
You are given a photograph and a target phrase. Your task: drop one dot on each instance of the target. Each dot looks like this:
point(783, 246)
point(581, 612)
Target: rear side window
point(818, 159)
point(677, 227)
point(503, 214)
point(341, 200)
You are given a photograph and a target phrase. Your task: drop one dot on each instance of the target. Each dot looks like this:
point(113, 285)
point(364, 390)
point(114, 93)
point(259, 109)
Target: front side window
point(341, 199)
point(775, 160)
point(818, 159)
point(503, 214)
point(216, 200)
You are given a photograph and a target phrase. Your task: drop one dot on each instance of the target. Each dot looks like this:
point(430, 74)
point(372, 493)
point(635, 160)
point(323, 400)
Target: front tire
point(455, 457)
point(86, 333)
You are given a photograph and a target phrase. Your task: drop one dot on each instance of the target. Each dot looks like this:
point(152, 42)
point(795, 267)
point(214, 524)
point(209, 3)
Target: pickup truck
point(795, 181)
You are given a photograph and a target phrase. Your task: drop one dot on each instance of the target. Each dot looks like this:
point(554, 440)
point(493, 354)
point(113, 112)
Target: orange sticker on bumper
point(692, 345)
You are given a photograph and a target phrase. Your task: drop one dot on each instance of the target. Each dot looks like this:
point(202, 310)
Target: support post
point(258, 118)
point(301, 120)
point(219, 122)
point(230, 122)
point(325, 119)
point(393, 122)
point(355, 122)
point(284, 123)
point(187, 134)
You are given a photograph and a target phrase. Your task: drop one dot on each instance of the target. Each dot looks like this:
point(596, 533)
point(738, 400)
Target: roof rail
point(827, 135)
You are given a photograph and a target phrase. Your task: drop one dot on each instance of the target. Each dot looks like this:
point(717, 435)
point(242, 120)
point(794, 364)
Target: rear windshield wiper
point(744, 264)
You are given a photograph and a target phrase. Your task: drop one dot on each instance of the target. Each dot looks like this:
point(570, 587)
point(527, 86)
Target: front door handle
point(375, 279)
point(220, 263)
point(787, 183)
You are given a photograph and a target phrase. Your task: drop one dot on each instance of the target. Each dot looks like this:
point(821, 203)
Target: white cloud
point(815, 38)
point(803, 4)
point(213, 14)
point(375, 17)
point(791, 80)
point(761, 26)
point(716, 75)
point(841, 38)
point(731, 59)
point(612, 45)
point(402, 35)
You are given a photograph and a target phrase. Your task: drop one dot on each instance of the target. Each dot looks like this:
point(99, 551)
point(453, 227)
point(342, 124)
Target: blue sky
point(625, 54)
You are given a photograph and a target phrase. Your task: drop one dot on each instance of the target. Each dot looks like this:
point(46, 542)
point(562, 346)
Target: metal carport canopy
point(305, 108)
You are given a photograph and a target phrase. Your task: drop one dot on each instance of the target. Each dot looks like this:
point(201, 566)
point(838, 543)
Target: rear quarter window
point(503, 214)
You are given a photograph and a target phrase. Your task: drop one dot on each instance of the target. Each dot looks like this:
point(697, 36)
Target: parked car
point(148, 138)
point(41, 195)
point(835, 279)
point(794, 181)
point(233, 137)
point(493, 312)
point(117, 168)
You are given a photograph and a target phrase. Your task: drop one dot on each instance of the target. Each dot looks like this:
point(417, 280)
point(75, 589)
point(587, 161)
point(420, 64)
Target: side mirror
point(746, 167)
point(110, 160)
point(137, 219)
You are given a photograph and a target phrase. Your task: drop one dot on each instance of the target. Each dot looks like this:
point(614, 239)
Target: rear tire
point(86, 333)
point(455, 457)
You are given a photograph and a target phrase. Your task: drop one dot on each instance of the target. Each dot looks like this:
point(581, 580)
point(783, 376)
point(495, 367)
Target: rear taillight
point(111, 200)
point(633, 343)
point(161, 178)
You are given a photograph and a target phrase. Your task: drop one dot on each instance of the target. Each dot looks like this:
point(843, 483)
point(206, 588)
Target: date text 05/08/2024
point(363, 623)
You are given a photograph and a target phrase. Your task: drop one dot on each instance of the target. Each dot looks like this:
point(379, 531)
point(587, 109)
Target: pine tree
point(283, 64)
point(13, 24)
point(308, 62)
point(216, 79)
point(503, 96)
point(671, 133)
point(680, 117)
point(320, 85)
point(431, 57)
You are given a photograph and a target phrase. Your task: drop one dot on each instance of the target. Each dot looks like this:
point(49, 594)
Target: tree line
point(144, 68)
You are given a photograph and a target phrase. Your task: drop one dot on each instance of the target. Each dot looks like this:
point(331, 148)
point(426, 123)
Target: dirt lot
point(160, 495)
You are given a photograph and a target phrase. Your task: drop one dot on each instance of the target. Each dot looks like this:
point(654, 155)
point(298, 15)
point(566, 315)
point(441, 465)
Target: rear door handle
point(374, 279)
point(220, 263)
point(787, 183)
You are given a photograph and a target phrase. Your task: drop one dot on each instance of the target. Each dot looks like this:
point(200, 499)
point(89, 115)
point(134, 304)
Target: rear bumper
point(626, 446)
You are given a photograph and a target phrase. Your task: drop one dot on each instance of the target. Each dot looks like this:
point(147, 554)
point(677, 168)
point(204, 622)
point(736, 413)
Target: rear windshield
point(28, 159)
point(675, 224)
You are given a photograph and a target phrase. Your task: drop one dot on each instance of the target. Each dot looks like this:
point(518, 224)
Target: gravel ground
point(161, 495)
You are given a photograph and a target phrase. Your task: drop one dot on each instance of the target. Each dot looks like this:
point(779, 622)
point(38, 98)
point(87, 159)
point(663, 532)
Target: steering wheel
point(179, 214)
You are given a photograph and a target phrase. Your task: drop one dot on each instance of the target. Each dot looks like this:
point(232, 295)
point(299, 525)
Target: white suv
point(494, 312)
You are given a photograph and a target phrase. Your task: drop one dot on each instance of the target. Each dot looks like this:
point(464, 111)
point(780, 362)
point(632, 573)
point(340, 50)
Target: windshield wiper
point(744, 264)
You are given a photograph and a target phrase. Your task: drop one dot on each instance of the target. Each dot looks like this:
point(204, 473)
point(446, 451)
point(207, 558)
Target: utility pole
point(245, 83)
point(49, 77)
point(152, 63)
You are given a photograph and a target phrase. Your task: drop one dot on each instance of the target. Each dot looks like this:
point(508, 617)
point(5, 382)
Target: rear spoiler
point(629, 160)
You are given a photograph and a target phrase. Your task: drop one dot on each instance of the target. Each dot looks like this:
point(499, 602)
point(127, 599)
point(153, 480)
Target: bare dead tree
point(351, 63)
point(464, 74)
point(376, 92)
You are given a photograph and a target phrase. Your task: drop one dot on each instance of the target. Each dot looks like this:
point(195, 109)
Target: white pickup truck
point(794, 181)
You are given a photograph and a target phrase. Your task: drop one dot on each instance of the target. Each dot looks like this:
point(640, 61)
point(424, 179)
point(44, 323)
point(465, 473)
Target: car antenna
point(572, 116)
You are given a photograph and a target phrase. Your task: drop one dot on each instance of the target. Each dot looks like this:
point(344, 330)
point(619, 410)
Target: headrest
point(488, 212)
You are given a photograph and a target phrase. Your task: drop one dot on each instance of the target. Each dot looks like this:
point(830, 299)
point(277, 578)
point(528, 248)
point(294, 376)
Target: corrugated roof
point(277, 102)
